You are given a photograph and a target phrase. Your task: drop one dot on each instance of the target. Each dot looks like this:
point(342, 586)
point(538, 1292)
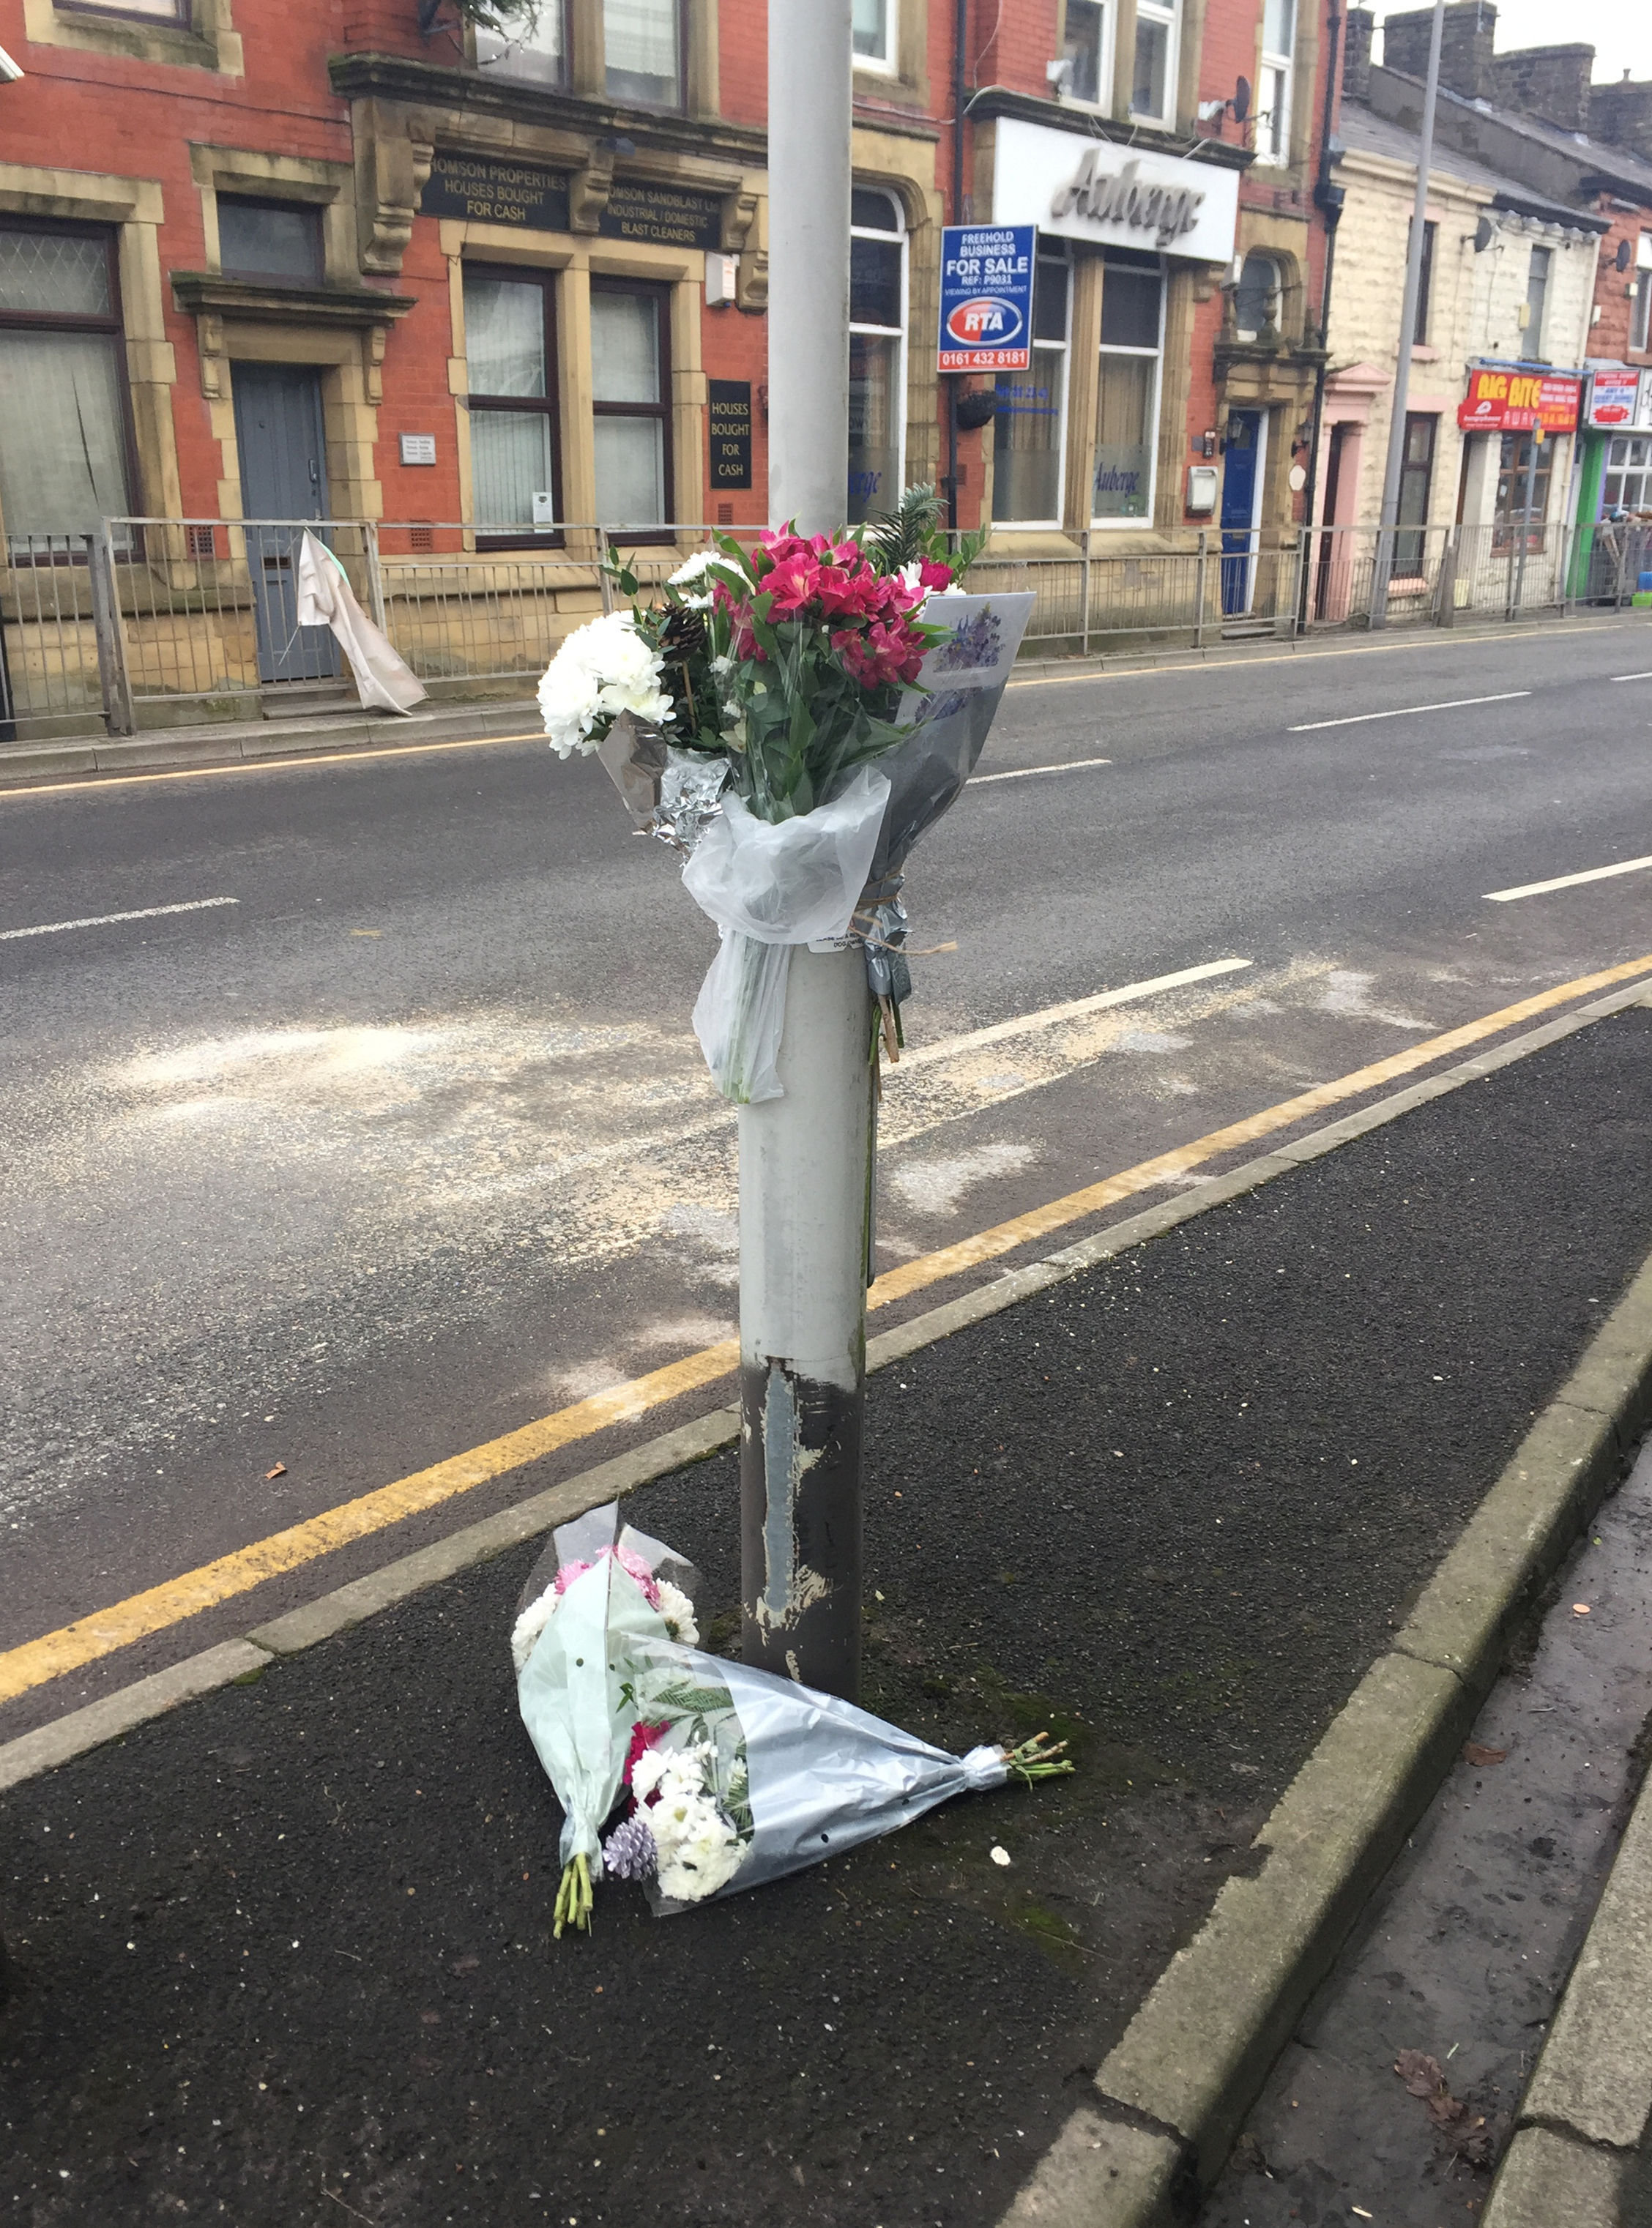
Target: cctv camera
point(9, 71)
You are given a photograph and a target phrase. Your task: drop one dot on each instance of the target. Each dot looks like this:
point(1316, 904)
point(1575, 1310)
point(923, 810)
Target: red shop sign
point(1515, 402)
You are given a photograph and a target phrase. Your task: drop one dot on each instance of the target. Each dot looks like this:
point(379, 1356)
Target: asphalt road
point(411, 1145)
point(286, 1950)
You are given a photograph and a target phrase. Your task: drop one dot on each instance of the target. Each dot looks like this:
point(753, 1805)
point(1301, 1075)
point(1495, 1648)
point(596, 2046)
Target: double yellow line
point(154, 1611)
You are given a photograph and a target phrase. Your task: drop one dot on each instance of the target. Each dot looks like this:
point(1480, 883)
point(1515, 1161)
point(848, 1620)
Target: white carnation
point(678, 1611)
point(602, 670)
point(529, 1625)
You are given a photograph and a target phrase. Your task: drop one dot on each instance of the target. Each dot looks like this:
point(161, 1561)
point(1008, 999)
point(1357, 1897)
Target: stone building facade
point(358, 260)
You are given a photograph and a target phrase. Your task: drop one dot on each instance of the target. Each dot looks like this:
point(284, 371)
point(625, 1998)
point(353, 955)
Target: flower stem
point(1033, 1760)
point(573, 1898)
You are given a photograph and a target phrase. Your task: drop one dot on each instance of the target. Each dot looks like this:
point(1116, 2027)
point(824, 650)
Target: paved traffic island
point(285, 1954)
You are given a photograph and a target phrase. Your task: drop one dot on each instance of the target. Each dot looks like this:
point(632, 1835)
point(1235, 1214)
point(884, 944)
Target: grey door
point(284, 475)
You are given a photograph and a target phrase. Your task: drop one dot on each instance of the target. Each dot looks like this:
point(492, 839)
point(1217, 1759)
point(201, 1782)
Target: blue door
point(283, 446)
point(1241, 485)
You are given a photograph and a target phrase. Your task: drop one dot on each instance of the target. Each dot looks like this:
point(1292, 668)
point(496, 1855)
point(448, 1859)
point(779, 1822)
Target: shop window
point(1415, 489)
point(535, 48)
point(1629, 475)
point(877, 352)
point(1127, 396)
point(1087, 52)
point(64, 431)
point(1257, 297)
point(1639, 336)
point(630, 387)
point(1424, 287)
point(876, 29)
point(1153, 93)
point(1537, 298)
point(1031, 418)
point(1277, 89)
point(1510, 509)
point(642, 45)
point(510, 352)
point(269, 239)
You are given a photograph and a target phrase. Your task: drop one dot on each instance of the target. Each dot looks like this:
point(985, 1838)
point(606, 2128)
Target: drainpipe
point(1328, 198)
point(960, 36)
point(1383, 570)
point(806, 1159)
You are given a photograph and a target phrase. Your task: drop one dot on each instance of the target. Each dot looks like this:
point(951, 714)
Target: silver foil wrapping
point(668, 792)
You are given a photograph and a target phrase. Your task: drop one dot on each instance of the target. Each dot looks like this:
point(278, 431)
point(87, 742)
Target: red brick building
point(355, 258)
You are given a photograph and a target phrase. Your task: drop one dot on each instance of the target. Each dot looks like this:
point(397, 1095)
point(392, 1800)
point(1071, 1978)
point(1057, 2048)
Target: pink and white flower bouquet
point(697, 1775)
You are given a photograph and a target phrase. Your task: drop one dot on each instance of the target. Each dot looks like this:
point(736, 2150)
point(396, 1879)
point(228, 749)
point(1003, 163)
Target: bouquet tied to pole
point(789, 719)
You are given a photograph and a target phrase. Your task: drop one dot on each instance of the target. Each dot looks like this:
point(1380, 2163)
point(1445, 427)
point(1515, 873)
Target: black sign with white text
point(730, 432)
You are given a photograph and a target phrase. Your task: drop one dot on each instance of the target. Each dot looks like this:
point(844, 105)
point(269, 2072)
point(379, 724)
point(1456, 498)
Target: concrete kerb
point(1194, 2056)
point(1172, 2095)
point(1588, 2109)
point(207, 749)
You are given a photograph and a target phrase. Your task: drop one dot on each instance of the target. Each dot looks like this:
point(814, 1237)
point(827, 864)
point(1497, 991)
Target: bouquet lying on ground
point(695, 1776)
point(766, 718)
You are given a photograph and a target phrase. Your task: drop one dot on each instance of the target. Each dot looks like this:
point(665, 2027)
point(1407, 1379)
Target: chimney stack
point(1356, 53)
point(1469, 34)
point(1551, 83)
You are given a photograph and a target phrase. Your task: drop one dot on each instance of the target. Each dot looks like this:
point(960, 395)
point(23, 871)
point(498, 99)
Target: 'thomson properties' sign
point(1501, 401)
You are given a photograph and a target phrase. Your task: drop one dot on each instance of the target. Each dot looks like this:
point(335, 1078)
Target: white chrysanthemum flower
point(693, 567)
point(699, 1850)
point(602, 670)
point(678, 1611)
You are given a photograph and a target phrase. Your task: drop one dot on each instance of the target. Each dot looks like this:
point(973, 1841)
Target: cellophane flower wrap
point(695, 1776)
point(756, 695)
point(777, 714)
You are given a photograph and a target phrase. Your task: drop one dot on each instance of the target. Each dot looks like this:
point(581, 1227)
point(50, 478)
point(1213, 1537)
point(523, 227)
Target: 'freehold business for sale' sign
point(987, 296)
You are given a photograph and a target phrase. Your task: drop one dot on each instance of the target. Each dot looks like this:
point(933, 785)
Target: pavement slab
point(283, 1956)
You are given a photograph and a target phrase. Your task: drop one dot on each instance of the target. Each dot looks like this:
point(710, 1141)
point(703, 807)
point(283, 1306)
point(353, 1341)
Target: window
point(1154, 94)
point(1639, 320)
point(1537, 295)
point(642, 42)
point(877, 369)
point(876, 26)
point(269, 239)
point(1424, 286)
point(63, 426)
point(630, 387)
point(510, 350)
point(1085, 50)
point(1278, 77)
point(1510, 505)
point(1127, 397)
point(1256, 298)
point(536, 49)
point(151, 11)
point(1416, 486)
point(1628, 475)
point(1028, 428)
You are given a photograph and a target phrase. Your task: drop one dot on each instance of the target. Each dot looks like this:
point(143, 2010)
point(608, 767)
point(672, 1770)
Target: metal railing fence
point(149, 621)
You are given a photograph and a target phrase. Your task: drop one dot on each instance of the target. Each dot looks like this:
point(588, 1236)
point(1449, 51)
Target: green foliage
point(908, 533)
point(916, 530)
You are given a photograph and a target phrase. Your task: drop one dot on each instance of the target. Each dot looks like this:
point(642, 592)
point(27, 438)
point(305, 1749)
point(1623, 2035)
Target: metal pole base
point(805, 1219)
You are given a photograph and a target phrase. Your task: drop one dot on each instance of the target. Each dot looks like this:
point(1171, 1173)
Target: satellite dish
point(1241, 100)
point(1625, 254)
point(1484, 233)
